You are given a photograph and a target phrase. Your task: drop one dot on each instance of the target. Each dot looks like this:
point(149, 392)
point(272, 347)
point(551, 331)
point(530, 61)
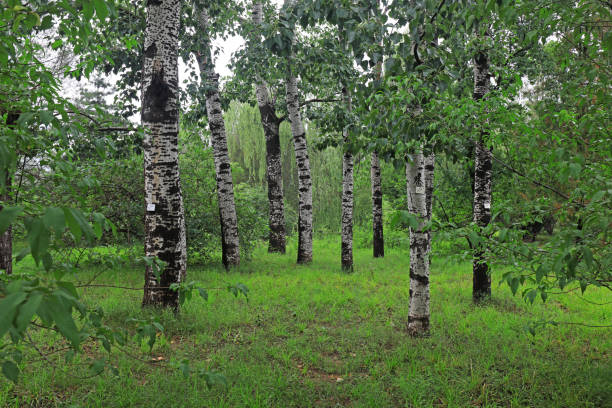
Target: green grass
point(313, 336)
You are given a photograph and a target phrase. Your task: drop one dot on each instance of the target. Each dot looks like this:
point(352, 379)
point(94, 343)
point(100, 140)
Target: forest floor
point(312, 336)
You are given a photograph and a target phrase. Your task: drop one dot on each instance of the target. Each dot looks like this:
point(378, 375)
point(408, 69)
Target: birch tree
point(378, 242)
point(164, 216)
point(225, 188)
point(417, 175)
point(347, 195)
point(481, 288)
point(303, 162)
point(271, 123)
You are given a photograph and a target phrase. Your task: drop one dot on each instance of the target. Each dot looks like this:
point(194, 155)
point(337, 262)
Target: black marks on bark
point(483, 161)
point(377, 212)
point(151, 51)
point(156, 98)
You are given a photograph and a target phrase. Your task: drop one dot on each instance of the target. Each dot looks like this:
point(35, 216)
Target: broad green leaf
point(10, 370)
point(101, 9)
point(38, 238)
point(27, 310)
point(54, 219)
point(88, 10)
point(7, 216)
point(8, 306)
point(62, 316)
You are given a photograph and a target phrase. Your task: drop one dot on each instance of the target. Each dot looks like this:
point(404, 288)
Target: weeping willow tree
point(247, 149)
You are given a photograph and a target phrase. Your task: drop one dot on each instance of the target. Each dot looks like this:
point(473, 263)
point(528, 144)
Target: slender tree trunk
point(347, 197)
point(481, 289)
point(303, 166)
point(430, 161)
point(377, 211)
point(271, 123)
point(230, 245)
point(6, 239)
point(164, 216)
point(420, 243)
point(378, 242)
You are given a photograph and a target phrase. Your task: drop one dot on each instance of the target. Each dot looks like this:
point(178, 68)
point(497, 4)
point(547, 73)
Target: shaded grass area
point(314, 336)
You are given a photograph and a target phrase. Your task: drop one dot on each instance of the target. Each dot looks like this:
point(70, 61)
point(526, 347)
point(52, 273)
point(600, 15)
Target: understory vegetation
point(308, 203)
point(313, 336)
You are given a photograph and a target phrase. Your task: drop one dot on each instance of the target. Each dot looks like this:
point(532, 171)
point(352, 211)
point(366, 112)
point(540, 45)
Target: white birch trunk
point(271, 123)
point(230, 245)
point(303, 166)
point(430, 161)
point(378, 242)
point(418, 316)
point(164, 216)
point(483, 161)
point(347, 197)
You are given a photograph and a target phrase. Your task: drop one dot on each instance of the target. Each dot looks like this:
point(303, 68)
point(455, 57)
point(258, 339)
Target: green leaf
point(514, 284)
point(54, 219)
point(88, 10)
point(38, 238)
point(62, 316)
point(7, 216)
point(588, 257)
point(8, 306)
point(27, 310)
point(78, 224)
point(73, 225)
point(10, 370)
point(470, 21)
point(101, 9)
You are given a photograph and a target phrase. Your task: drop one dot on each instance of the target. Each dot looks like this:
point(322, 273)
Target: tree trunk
point(481, 289)
point(303, 167)
point(377, 211)
point(230, 245)
point(164, 216)
point(430, 161)
point(271, 123)
point(420, 243)
point(347, 197)
point(6, 239)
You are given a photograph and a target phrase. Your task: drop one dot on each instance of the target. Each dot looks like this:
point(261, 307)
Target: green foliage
point(306, 326)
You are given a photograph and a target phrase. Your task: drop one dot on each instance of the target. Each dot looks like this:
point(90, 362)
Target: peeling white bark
point(347, 197)
point(303, 167)
point(420, 244)
point(225, 188)
point(164, 218)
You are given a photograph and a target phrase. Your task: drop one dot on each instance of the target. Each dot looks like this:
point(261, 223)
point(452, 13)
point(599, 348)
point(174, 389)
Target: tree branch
point(537, 183)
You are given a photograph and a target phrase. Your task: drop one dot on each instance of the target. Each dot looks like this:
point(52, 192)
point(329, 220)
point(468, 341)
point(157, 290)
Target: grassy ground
point(313, 336)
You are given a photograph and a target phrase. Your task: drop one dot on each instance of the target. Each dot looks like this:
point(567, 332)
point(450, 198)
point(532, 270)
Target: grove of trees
point(478, 123)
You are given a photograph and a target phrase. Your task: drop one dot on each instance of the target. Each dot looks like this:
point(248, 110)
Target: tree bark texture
point(483, 161)
point(230, 245)
point(347, 197)
point(429, 162)
point(6, 239)
point(420, 244)
point(303, 167)
point(164, 216)
point(377, 211)
point(271, 123)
